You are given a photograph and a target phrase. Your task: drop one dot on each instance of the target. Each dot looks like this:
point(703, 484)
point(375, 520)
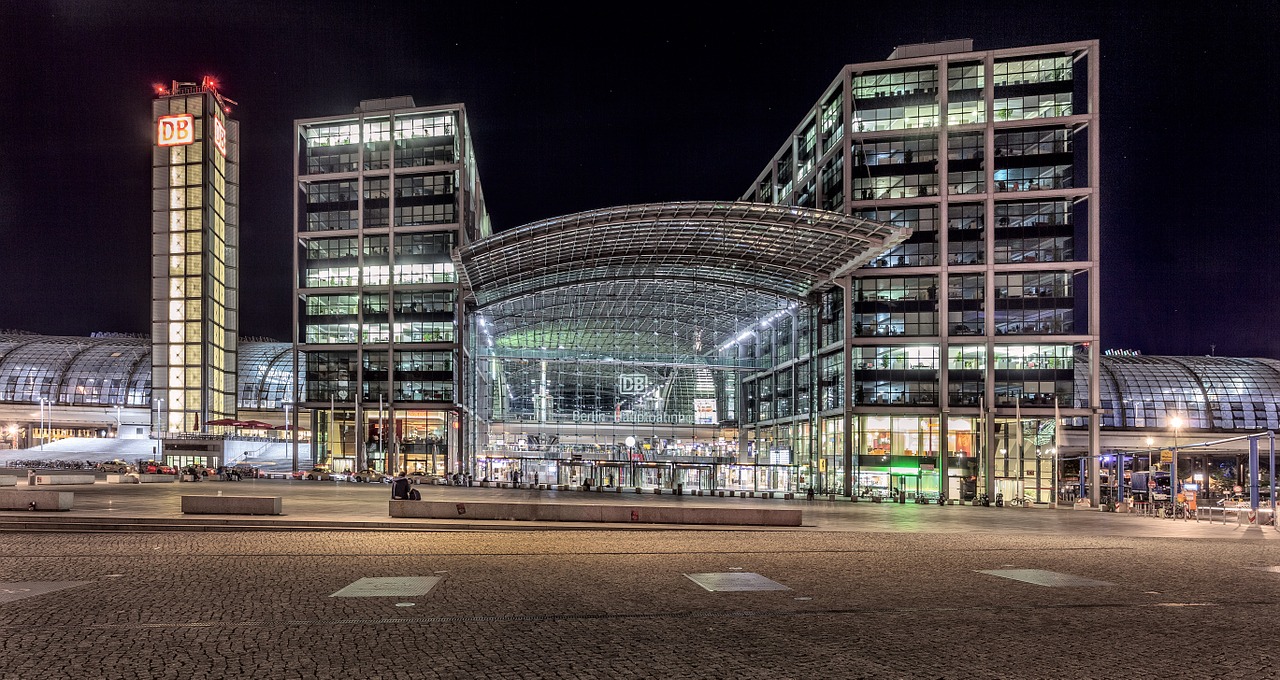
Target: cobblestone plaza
point(863, 590)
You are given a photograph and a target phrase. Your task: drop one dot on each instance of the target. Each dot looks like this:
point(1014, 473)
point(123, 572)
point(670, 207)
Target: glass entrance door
point(908, 484)
point(695, 477)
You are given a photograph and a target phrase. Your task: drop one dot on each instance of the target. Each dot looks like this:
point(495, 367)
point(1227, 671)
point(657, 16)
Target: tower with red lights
point(195, 196)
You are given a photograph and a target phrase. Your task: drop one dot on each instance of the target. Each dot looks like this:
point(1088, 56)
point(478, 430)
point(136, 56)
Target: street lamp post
point(45, 416)
point(1176, 423)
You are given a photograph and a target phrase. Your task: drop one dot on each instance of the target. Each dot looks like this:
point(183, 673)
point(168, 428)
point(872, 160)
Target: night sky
point(620, 104)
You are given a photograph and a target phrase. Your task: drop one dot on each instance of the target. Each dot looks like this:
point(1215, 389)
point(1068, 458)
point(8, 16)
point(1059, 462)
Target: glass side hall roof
point(1214, 393)
point(116, 371)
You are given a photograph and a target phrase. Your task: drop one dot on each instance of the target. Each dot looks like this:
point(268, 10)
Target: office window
point(332, 305)
point(966, 233)
point(895, 83)
point(832, 178)
point(966, 315)
point(377, 144)
point(1034, 70)
point(895, 374)
point(895, 306)
point(330, 248)
point(832, 130)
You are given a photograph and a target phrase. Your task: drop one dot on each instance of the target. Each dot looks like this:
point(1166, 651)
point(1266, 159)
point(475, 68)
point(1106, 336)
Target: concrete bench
point(122, 479)
point(43, 500)
point(231, 505)
point(571, 512)
point(157, 479)
point(8, 480)
point(50, 480)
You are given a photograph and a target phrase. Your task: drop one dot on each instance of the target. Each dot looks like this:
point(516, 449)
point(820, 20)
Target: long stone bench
point(231, 505)
point(18, 499)
point(122, 479)
point(574, 512)
point(8, 480)
point(157, 479)
point(66, 478)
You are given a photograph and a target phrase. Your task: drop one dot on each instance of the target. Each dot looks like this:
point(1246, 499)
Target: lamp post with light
point(46, 415)
point(1176, 423)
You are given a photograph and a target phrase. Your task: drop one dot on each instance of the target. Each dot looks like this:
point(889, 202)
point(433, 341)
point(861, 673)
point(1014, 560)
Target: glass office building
point(937, 366)
point(195, 235)
point(384, 195)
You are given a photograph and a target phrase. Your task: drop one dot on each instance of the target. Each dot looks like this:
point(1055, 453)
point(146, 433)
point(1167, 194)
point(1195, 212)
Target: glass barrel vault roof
point(1208, 393)
point(116, 370)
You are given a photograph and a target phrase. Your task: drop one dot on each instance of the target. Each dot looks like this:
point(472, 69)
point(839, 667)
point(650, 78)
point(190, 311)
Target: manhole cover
point(1042, 577)
point(734, 581)
point(16, 591)
point(389, 586)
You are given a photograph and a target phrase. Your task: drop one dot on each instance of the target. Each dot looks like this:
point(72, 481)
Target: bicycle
point(1180, 511)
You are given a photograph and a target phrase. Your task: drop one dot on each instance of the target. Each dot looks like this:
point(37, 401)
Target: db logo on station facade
point(175, 130)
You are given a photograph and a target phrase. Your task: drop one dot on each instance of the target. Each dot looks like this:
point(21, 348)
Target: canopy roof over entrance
point(670, 278)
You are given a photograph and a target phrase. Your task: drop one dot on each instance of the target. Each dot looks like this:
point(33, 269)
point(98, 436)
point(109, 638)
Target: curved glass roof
point(265, 374)
point(661, 282)
point(617, 318)
point(781, 250)
point(116, 371)
point(1212, 393)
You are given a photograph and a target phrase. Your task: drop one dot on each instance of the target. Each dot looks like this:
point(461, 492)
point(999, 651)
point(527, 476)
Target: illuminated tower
point(195, 196)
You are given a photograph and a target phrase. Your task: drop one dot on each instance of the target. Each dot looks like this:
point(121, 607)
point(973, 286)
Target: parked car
point(155, 467)
point(1241, 500)
point(368, 476)
point(115, 467)
point(421, 477)
point(319, 472)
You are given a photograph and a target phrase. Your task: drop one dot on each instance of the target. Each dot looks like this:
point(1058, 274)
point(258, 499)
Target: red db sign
point(175, 130)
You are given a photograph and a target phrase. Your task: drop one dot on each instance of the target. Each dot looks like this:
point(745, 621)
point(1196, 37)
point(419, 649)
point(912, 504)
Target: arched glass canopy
point(644, 282)
point(629, 308)
point(1207, 393)
point(110, 370)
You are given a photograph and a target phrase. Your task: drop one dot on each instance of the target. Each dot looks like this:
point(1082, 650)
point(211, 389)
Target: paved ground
point(874, 591)
point(353, 506)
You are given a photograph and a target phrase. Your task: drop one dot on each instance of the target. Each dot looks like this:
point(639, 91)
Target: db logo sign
point(220, 136)
point(175, 130)
point(632, 383)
